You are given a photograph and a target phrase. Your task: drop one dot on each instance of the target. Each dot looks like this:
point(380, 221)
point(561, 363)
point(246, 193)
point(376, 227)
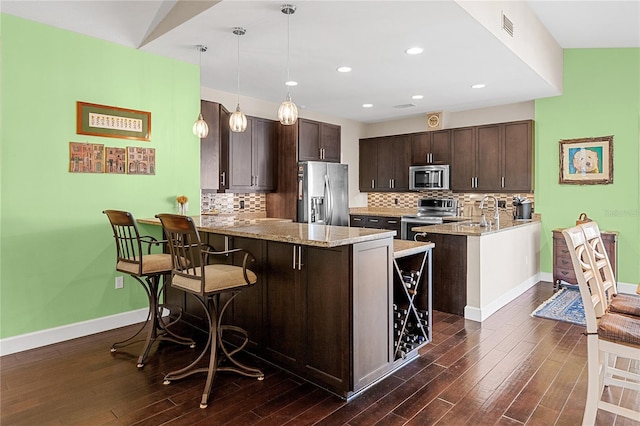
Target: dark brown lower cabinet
point(449, 273)
point(308, 311)
point(321, 313)
point(377, 222)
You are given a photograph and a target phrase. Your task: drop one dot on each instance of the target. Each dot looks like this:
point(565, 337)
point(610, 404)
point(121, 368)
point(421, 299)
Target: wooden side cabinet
point(562, 266)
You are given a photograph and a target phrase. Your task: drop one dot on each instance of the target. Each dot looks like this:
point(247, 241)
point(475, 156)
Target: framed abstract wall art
point(587, 161)
point(112, 122)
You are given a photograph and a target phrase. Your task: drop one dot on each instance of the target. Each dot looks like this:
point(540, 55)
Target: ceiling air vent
point(404, 106)
point(507, 25)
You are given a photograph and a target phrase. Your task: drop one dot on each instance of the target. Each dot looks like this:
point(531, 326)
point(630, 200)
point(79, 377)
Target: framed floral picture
point(587, 161)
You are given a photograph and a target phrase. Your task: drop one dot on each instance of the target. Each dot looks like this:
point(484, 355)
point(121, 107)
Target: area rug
point(565, 305)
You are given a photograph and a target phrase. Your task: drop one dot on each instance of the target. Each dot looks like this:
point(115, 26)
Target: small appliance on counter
point(521, 208)
point(323, 196)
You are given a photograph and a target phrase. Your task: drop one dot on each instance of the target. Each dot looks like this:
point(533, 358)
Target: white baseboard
point(50, 336)
point(627, 288)
point(622, 287)
point(480, 314)
point(546, 276)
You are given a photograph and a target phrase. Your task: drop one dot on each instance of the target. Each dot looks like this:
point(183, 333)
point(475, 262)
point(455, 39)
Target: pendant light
point(288, 112)
point(200, 127)
point(238, 121)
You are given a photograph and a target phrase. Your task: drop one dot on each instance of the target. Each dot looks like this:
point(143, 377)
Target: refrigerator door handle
point(329, 198)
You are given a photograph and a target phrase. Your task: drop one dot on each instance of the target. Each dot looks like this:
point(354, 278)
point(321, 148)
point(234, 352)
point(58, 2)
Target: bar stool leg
point(158, 330)
point(215, 343)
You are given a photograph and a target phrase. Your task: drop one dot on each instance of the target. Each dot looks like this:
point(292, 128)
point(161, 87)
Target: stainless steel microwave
point(430, 177)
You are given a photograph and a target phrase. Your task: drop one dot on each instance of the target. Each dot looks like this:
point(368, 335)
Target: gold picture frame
point(112, 122)
point(587, 161)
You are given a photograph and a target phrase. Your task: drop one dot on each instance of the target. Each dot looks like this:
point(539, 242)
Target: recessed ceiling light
point(344, 69)
point(367, 105)
point(414, 50)
point(417, 97)
point(478, 86)
point(291, 83)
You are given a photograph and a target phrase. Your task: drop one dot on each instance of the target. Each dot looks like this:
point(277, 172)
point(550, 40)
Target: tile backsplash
point(470, 201)
point(233, 203)
point(257, 203)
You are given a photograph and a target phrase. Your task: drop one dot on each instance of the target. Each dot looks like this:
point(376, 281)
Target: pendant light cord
point(238, 35)
point(288, 51)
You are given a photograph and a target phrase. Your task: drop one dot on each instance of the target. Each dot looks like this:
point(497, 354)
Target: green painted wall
point(57, 253)
point(601, 97)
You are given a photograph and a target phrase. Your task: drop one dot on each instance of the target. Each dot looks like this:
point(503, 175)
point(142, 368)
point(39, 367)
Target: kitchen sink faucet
point(496, 216)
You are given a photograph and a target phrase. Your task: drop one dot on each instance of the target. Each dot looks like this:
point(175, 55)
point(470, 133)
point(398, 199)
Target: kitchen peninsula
point(477, 270)
point(322, 307)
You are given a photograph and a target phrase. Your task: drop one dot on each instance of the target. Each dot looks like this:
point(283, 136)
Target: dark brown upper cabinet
point(251, 157)
point(214, 155)
point(431, 147)
point(318, 141)
point(493, 158)
point(384, 164)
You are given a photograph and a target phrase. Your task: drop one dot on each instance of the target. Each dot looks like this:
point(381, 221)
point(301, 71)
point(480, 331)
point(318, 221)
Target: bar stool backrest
point(185, 247)
point(128, 243)
point(600, 258)
point(593, 300)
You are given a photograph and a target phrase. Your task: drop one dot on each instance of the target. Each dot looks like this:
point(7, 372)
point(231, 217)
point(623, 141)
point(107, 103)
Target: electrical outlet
point(242, 204)
point(502, 204)
point(119, 282)
point(395, 201)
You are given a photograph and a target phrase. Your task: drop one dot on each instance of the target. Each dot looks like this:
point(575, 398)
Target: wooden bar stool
point(193, 274)
point(147, 269)
point(609, 335)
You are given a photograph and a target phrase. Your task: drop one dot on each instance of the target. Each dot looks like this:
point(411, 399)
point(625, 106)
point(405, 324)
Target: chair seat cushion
point(217, 278)
point(151, 264)
point(628, 304)
point(620, 329)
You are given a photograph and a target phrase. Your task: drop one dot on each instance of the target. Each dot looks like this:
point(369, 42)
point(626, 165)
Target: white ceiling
point(369, 36)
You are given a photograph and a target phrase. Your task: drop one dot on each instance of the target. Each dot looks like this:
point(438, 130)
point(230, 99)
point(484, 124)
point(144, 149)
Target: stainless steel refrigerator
point(323, 193)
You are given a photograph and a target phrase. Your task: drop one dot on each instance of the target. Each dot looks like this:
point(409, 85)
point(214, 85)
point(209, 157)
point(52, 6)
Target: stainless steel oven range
point(431, 211)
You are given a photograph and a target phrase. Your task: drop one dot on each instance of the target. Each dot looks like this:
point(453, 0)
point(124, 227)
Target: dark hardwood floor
point(512, 369)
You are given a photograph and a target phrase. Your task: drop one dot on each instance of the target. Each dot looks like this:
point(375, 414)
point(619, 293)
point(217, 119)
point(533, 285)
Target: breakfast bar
point(479, 269)
point(323, 304)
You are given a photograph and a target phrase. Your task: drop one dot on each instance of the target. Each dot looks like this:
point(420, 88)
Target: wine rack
point(412, 302)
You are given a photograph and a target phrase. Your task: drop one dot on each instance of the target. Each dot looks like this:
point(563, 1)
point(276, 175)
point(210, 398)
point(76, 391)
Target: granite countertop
point(381, 211)
point(463, 228)
point(403, 248)
point(223, 220)
point(283, 230)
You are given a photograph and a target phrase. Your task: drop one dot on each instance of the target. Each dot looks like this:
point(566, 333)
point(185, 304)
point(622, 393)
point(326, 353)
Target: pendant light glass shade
point(288, 111)
point(238, 121)
point(200, 127)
